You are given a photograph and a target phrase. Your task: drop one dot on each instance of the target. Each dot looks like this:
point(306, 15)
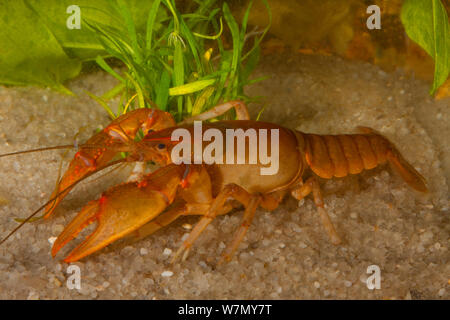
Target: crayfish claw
point(120, 211)
point(82, 220)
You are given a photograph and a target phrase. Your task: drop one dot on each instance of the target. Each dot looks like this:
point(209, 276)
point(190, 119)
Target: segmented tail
point(339, 155)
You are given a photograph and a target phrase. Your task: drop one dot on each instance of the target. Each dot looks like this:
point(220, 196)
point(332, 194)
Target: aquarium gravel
point(286, 253)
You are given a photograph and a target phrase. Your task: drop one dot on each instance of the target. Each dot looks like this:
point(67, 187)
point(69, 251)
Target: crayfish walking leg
point(312, 185)
point(231, 190)
point(166, 218)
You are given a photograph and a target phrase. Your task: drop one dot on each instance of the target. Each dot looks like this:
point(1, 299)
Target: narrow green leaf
point(129, 23)
point(114, 91)
point(191, 87)
point(252, 61)
point(162, 93)
point(244, 23)
point(192, 45)
point(138, 89)
point(225, 65)
point(249, 82)
point(234, 28)
point(151, 23)
point(260, 112)
point(178, 64)
point(259, 39)
point(102, 103)
point(201, 100)
point(102, 63)
point(188, 104)
point(178, 68)
point(214, 37)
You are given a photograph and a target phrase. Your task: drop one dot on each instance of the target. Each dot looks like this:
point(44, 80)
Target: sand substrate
point(286, 253)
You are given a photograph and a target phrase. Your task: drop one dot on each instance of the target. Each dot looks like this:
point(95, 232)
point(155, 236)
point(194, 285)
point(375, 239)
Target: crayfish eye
point(161, 146)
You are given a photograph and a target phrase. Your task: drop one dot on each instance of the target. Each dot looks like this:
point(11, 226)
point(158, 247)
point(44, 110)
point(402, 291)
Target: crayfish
point(209, 188)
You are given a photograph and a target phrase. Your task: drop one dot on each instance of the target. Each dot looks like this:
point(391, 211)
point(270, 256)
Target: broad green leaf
point(29, 52)
point(426, 22)
point(77, 43)
point(37, 47)
point(82, 43)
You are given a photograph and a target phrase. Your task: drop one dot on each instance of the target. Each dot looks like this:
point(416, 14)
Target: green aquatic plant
point(426, 22)
point(174, 65)
point(183, 62)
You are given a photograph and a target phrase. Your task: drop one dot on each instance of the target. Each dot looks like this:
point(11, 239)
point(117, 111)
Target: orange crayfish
point(198, 186)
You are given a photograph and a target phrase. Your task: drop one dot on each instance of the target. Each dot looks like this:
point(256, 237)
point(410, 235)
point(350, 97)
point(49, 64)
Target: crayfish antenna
point(25, 221)
point(67, 146)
